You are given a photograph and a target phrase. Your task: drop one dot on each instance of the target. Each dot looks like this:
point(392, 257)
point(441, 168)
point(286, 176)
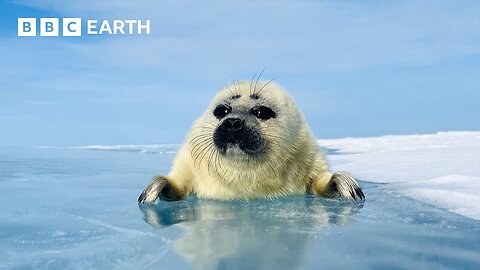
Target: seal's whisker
point(208, 149)
point(210, 159)
point(251, 82)
point(200, 136)
point(199, 143)
point(204, 149)
point(263, 87)
point(256, 82)
point(230, 92)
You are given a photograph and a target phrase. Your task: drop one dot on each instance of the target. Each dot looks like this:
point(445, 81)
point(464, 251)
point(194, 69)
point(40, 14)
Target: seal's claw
point(343, 184)
point(152, 191)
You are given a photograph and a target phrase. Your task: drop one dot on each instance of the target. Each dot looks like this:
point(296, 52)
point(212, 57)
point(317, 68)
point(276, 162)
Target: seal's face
point(240, 129)
point(247, 125)
point(246, 118)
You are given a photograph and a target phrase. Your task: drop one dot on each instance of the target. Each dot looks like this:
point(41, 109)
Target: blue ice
point(67, 208)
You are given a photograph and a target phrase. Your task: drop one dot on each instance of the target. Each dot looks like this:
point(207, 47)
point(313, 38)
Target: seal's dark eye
point(221, 111)
point(263, 113)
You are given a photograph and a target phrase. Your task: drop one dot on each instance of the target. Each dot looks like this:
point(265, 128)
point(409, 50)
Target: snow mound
point(442, 169)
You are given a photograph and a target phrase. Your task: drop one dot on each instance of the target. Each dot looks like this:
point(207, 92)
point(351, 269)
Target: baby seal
point(252, 142)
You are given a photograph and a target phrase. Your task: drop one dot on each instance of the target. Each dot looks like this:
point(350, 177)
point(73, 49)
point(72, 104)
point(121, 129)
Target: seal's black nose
point(232, 124)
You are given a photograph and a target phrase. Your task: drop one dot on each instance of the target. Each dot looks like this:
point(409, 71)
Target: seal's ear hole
point(263, 112)
point(221, 111)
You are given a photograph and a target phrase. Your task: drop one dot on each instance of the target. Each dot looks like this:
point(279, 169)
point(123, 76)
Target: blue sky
point(364, 68)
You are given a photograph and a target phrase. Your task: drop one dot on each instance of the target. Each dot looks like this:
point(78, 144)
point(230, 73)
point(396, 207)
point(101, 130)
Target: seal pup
point(251, 142)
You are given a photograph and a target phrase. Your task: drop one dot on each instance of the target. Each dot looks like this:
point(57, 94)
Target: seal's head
point(252, 120)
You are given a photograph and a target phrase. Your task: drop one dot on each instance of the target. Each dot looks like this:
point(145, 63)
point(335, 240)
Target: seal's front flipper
point(159, 187)
point(343, 184)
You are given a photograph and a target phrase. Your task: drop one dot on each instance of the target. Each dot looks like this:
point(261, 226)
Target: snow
point(141, 148)
point(441, 169)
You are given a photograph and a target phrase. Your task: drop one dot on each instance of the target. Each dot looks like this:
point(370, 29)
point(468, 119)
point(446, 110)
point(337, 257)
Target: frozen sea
point(76, 208)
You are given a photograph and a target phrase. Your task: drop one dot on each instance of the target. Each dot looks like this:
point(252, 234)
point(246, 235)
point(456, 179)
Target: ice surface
point(73, 208)
point(442, 169)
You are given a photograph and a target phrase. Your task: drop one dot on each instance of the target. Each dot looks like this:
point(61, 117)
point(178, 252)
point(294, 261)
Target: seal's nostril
point(233, 124)
point(237, 124)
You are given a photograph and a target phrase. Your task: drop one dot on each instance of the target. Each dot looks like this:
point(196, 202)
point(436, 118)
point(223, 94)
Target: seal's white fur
point(292, 163)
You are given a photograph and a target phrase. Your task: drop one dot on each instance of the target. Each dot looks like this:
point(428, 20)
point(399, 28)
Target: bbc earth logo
point(72, 27)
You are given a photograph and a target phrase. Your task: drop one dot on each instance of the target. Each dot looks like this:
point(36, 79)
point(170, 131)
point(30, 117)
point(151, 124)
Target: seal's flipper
point(159, 187)
point(343, 184)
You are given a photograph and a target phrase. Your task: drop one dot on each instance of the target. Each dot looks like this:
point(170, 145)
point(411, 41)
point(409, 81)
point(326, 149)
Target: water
point(77, 209)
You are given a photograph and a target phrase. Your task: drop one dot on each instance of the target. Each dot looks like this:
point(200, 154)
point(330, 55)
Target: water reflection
point(259, 234)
